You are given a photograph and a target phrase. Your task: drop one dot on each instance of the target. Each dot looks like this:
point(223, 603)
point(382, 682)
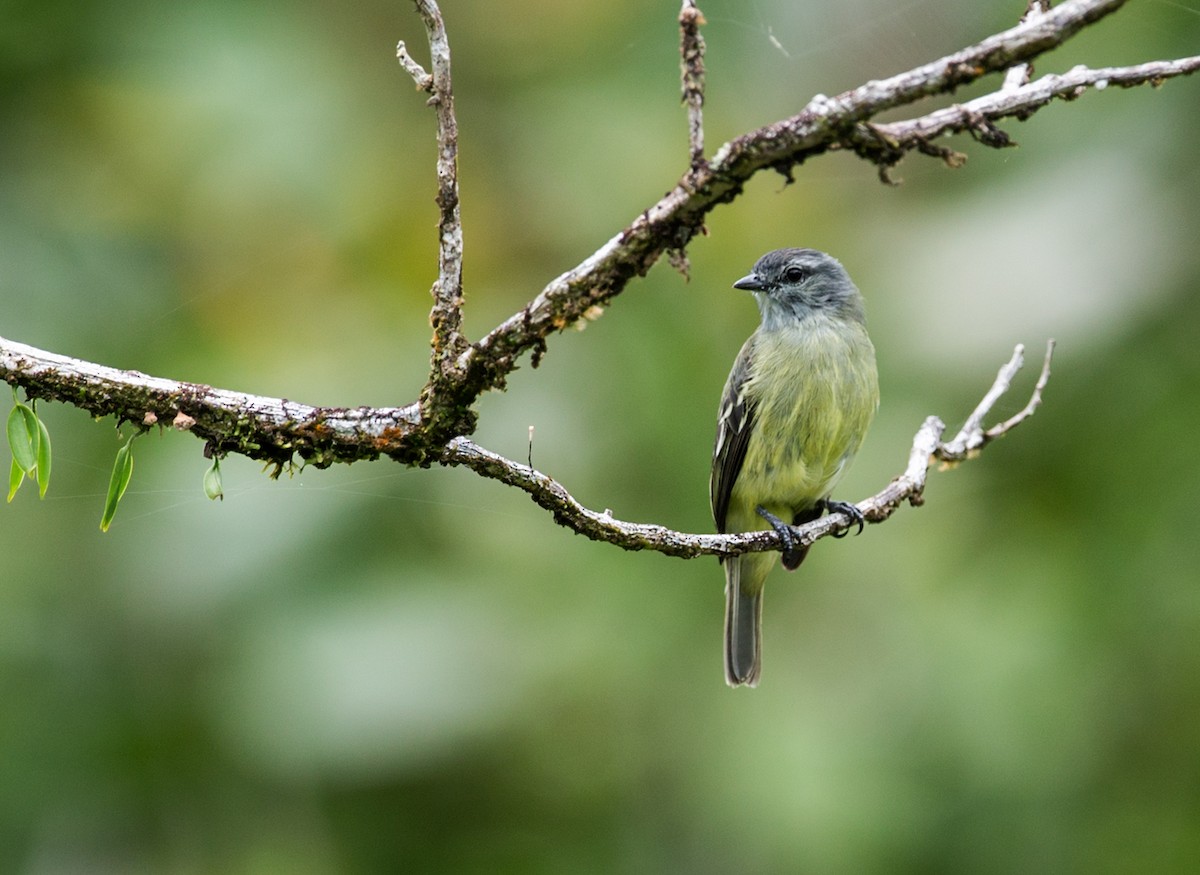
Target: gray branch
point(691, 57)
point(1013, 101)
point(434, 428)
point(825, 124)
point(908, 487)
point(446, 316)
point(272, 430)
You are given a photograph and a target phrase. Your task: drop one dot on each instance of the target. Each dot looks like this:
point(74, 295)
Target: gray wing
point(735, 421)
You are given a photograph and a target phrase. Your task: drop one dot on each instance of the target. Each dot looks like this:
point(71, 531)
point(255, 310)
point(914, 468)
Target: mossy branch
point(434, 428)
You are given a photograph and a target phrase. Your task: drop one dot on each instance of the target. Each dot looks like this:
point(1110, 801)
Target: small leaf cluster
point(29, 442)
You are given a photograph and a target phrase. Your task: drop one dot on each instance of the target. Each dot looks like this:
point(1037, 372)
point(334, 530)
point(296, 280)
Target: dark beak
point(750, 283)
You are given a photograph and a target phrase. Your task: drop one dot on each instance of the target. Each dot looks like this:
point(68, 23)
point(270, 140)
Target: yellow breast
point(815, 390)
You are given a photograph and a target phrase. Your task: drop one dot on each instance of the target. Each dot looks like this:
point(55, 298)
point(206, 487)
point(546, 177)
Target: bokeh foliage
point(373, 669)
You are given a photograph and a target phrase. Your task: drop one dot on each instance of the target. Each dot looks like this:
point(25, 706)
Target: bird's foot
point(793, 552)
point(781, 528)
point(850, 510)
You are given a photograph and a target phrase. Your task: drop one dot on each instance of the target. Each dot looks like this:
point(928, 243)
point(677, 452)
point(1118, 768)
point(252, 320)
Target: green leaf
point(15, 477)
point(31, 423)
point(212, 481)
point(118, 483)
point(43, 459)
point(21, 439)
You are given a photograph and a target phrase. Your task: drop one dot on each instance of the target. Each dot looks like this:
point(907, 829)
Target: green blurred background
point(374, 669)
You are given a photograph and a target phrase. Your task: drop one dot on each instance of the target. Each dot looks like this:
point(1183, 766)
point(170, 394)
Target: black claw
point(850, 510)
point(781, 528)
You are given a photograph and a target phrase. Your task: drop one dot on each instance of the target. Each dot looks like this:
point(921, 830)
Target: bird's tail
point(743, 625)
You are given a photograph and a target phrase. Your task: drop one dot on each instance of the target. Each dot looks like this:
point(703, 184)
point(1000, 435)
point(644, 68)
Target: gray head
point(792, 284)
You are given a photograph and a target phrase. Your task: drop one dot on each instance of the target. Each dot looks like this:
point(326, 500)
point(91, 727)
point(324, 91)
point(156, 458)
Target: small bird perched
point(795, 409)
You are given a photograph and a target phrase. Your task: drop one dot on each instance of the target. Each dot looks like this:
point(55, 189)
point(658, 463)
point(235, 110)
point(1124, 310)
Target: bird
point(798, 402)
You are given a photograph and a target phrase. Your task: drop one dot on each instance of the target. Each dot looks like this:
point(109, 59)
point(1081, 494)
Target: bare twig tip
point(423, 80)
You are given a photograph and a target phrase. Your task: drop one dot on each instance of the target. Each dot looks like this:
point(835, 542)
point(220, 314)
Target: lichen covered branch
point(272, 430)
point(423, 432)
point(887, 143)
point(691, 57)
point(908, 487)
point(443, 415)
point(825, 124)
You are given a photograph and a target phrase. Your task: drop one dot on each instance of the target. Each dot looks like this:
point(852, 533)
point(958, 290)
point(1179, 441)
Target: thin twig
point(422, 79)
point(972, 429)
point(691, 56)
point(446, 316)
point(972, 436)
point(1035, 401)
point(1023, 101)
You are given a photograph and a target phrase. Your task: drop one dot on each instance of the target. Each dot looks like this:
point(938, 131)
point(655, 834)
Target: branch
point(446, 317)
point(271, 430)
point(411, 66)
point(824, 124)
point(908, 487)
point(976, 116)
point(691, 56)
point(972, 437)
point(420, 433)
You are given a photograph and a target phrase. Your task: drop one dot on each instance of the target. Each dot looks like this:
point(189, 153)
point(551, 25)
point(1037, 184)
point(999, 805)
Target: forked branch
point(433, 428)
point(826, 123)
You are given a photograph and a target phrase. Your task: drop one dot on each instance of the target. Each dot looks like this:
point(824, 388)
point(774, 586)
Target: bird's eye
point(795, 274)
